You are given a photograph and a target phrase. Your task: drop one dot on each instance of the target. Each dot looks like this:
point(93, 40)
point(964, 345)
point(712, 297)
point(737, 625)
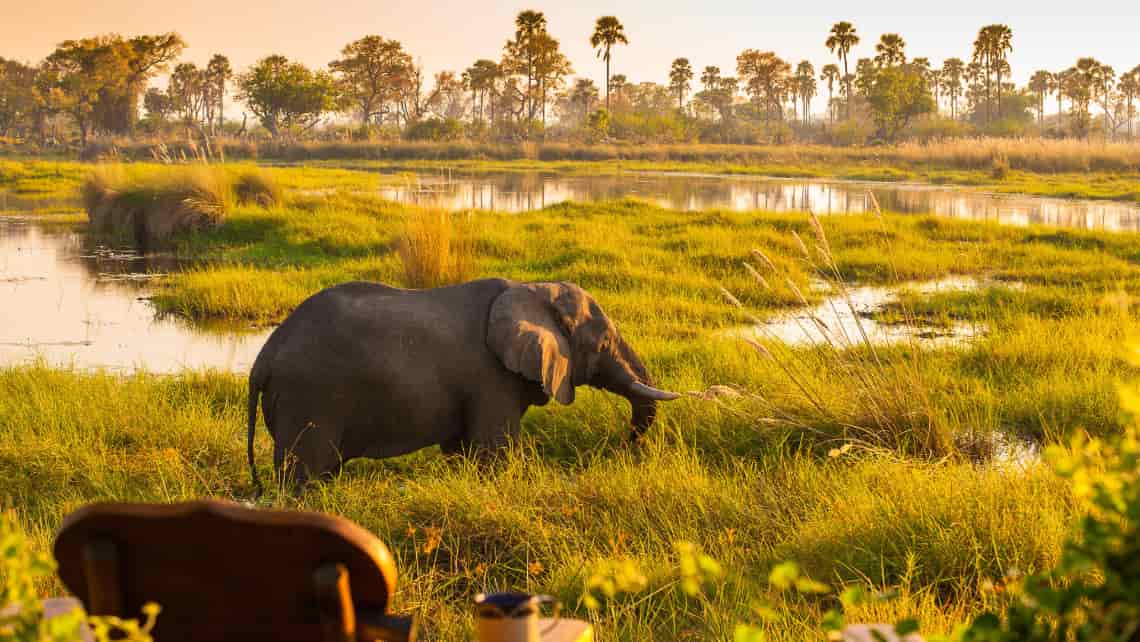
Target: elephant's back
point(363, 326)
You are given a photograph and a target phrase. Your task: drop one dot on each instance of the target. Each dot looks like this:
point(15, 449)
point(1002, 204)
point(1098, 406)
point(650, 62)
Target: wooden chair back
point(222, 571)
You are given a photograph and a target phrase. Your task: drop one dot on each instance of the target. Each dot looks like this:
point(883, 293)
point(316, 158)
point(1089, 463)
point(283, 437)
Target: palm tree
point(953, 70)
point(219, 71)
point(1041, 83)
point(679, 76)
point(1102, 81)
point(608, 31)
point(618, 83)
point(710, 77)
point(890, 50)
point(829, 74)
point(841, 39)
point(805, 86)
point(1130, 87)
point(993, 44)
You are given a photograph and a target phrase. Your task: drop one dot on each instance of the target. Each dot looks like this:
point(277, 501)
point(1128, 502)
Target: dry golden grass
point(1028, 154)
point(435, 248)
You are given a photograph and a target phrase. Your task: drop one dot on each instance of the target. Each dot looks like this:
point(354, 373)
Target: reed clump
point(256, 187)
point(435, 248)
point(153, 207)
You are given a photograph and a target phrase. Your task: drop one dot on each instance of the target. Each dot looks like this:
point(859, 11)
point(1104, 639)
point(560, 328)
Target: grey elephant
point(367, 370)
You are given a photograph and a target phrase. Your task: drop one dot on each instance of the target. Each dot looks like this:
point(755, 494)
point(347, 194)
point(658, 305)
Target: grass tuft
point(154, 207)
point(256, 187)
point(435, 249)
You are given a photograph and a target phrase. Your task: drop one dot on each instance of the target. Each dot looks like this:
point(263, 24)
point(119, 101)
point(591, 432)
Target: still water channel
point(522, 191)
point(70, 302)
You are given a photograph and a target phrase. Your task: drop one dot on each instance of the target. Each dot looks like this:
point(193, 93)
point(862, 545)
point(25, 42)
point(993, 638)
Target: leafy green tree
point(286, 96)
point(81, 74)
point(608, 32)
point(680, 76)
point(765, 77)
point(840, 41)
point(890, 50)
point(17, 94)
point(371, 73)
point(157, 104)
point(897, 95)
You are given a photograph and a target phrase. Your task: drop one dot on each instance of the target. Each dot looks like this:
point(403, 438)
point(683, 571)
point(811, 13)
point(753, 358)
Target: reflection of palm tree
point(841, 39)
point(608, 31)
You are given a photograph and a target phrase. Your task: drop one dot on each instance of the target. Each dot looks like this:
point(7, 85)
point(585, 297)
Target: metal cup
point(510, 616)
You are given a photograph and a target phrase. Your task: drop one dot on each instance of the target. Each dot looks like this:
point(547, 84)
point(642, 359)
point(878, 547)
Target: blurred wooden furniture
point(221, 571)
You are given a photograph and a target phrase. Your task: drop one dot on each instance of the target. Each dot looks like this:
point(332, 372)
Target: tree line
point(103, 85)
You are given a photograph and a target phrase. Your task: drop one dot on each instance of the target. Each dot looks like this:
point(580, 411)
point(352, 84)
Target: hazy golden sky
point(448, 34)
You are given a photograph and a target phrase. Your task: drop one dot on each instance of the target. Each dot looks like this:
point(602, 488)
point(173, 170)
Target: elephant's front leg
point(494, 422)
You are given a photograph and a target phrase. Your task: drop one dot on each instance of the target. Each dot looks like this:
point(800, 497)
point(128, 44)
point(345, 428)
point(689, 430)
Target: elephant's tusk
point(652, 393)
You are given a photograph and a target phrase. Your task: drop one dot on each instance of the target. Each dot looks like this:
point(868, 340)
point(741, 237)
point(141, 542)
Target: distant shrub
point(256, 187)
point(435, 129)
point(999, 167)
point(850, 132)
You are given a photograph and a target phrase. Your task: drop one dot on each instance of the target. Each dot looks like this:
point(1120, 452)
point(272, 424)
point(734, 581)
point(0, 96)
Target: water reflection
point(71, 304)
point(522, 191)
point(846, 319)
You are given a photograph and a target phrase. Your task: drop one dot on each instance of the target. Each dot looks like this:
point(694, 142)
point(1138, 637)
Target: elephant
point(363, 369)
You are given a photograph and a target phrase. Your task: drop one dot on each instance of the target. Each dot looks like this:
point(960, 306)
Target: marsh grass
point(435, 248)
point(158, 206)
point(257, 187)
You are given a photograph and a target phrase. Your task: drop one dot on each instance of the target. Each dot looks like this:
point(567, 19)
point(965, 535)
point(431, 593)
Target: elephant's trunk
point(635, 384)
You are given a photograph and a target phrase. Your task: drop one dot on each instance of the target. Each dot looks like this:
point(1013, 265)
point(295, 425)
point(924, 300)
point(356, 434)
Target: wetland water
point(72, 303)
point(522, 191)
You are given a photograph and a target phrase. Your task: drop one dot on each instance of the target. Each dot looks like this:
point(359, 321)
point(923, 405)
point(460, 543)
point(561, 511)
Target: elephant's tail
point(254, 396)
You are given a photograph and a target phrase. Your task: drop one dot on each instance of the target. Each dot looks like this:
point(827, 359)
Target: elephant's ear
point(527, 333)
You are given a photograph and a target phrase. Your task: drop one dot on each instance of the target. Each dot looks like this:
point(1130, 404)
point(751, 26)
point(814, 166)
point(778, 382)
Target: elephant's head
point(556, 335)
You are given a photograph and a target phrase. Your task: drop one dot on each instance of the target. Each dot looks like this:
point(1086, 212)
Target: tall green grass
point(557, 506)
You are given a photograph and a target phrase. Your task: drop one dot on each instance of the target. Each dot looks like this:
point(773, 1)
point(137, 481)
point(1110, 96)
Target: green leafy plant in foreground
point(22, 613)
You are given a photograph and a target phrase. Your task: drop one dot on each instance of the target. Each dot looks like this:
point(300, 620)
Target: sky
point(450, 34)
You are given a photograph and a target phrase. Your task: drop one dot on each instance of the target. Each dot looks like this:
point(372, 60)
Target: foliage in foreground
point(21, 612)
